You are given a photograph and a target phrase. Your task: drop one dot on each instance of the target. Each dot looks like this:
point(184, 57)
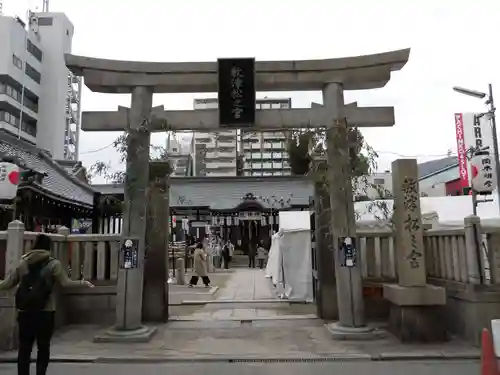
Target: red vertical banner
point(461, 150)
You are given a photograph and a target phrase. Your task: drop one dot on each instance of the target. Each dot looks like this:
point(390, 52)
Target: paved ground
point(245, 322)
point(248, 295)
point(247, 284)
point(339, 368)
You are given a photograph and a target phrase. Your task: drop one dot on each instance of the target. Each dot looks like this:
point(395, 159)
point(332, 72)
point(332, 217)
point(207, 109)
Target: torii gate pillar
point(129, 288)
point(352, 323)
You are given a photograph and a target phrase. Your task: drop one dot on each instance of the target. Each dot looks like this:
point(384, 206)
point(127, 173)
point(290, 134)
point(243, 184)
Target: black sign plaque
point(236, 90)
point(129, 254)
point(348, 256)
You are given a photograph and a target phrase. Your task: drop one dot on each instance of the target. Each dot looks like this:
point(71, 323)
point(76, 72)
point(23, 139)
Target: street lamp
point(491, 113)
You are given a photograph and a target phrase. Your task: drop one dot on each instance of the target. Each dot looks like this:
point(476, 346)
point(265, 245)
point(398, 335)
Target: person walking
point(251, 256)
point(225, 255)
point(218, 253)
point(200, 261)
point(261, 255)
point(36, 275)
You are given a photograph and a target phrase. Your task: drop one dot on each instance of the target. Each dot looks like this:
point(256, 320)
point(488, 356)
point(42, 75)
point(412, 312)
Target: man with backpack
point(36, 275)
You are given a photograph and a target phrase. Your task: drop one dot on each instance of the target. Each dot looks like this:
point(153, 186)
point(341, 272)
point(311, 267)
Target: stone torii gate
point(143, 79)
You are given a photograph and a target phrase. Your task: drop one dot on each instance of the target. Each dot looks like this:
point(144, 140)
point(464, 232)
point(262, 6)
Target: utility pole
point(491, 111)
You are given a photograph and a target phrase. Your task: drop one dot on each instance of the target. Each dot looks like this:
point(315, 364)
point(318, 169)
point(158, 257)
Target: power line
point(97, 150)
point(377, 151)
point(418, 155)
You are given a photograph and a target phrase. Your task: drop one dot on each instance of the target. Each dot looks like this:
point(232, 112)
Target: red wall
point(454, 187)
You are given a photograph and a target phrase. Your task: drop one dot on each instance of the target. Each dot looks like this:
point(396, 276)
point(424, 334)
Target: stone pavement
point(468, 367)
point(247, 284)
point(246, 321)
point(231, 340)
point(247, 295)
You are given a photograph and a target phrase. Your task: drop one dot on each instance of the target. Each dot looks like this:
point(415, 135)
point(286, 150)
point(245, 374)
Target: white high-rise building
point(39, 97)
point(265, 153)
point(214, 153)
point(262, 153)
point(179, 156)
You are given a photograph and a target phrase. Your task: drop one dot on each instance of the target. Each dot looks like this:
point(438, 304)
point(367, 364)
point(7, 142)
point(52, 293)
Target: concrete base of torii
point(365, 333)
point(140, 335)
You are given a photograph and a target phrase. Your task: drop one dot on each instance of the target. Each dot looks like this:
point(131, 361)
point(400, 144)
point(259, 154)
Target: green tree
point(104, 169)
point(303, 145)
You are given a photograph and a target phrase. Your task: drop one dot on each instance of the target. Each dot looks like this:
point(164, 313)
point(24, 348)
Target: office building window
point(379, 181)
point(28, 102)
point(28, 127)
point(17, 62)
point(33, 73)
point(34, 50)
point(45, 21)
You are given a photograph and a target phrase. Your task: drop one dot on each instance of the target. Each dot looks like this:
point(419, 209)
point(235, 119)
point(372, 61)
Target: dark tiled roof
point(58, 180)
point(431, 167)
point(225, 193)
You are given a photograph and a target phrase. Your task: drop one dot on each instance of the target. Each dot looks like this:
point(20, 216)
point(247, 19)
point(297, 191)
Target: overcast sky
point(453, 42)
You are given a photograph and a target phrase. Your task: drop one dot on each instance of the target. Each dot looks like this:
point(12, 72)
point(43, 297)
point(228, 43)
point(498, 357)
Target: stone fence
point(450, 254)
point(466, 261)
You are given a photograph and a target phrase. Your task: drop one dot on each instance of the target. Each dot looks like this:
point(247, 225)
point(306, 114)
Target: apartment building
point(179, 156)
point(265, 153)
point(262, 153)
point(214, 153)
point(39, 97)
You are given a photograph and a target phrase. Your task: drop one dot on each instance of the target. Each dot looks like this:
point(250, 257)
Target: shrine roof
point(58, 182)
point(227, 193)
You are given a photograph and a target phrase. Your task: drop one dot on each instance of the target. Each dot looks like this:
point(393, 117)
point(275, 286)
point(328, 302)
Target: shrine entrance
point(236, 81)
point(252, 226)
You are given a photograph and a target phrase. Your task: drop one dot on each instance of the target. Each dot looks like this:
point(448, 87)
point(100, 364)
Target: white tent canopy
point(289, 263)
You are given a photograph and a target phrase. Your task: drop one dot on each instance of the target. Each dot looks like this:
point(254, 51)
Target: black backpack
point(35, 287)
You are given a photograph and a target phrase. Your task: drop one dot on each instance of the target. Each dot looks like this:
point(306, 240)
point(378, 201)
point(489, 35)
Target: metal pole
point(495, 140)
point(474, 202)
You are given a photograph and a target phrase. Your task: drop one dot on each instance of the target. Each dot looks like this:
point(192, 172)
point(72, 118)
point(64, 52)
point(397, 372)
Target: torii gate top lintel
point(355, 73)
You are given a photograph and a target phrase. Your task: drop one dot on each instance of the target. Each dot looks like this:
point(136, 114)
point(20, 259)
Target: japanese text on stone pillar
point(412, 219)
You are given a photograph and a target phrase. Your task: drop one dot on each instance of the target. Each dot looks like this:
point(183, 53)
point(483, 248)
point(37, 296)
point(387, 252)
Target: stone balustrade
point(95, 256)
point(85, 256)
point(376, 253)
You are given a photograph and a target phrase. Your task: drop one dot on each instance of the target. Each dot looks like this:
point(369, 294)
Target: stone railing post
point(63, 257)
point(64, 247)
point(493, 238)
point(8, 313)
point(475, 274)
point(15, 245)
point(181, 271)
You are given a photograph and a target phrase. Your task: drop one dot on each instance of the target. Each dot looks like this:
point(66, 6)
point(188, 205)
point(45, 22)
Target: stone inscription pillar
point(155, 299)
point(410, 255)
point(349, 284)
point(414, 313)
point(130, 287)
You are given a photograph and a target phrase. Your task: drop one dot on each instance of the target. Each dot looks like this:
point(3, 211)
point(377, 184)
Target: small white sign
point(9, 180)
point(483, 173)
